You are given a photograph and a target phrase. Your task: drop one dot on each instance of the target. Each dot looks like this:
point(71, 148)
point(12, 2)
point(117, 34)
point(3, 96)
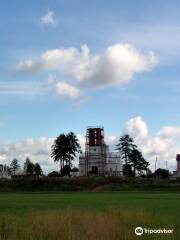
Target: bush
point(54, 174)
point(87, 184)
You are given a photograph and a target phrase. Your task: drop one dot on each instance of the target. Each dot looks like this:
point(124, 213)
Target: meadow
point(87, 215)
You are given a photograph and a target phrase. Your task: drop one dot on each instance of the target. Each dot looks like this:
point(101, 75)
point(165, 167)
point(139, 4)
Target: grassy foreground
point(41, 216)
point(80, 225)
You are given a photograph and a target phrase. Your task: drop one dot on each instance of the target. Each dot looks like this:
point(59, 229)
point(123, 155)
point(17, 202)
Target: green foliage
point(161, 173)
point(54, 174)
point(127, 170)
point(88, 184)
point(14, 166)
point(65, 170)
point(64, 150)
point(138, 162)
point(32, 169)
point(28, 167)
point(125, 147)
point(131, 156)
point(37, 170)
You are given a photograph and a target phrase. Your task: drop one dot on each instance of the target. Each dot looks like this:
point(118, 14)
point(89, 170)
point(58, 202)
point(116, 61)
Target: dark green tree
point(161, 173)
point(125, 147)
point(14, 166)
point(54, 174)
point(144, 166)
point(37, 169)
point(73, 147)
point(59, 150)
point(127, 170)
point(138, 162)
point(28, 167)
point(64, 150)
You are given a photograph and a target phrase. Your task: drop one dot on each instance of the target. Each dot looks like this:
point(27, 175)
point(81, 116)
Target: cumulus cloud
point(162, 145)
point(49, 19)
point(137, 128)
point(65, 90)
point(38, 150)
point(56, 59)
point(117, 65)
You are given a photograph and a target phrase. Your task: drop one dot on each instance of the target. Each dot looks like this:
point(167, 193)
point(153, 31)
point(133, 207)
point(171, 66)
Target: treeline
point(134, 162)
point(97, 184)
point(29, 169)
point(66, 147)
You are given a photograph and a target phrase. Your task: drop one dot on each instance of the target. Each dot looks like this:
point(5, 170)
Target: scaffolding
point(95, 138)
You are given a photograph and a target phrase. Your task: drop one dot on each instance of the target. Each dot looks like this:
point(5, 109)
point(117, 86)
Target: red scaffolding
point(95, 137)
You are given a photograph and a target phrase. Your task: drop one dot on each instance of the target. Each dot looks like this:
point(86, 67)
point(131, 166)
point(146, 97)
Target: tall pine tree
point(125, 147)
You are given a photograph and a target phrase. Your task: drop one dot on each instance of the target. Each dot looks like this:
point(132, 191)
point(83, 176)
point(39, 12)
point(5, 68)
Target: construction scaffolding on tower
point(95, 138)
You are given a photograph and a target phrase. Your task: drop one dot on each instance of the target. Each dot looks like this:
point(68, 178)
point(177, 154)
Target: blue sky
point(31, 107)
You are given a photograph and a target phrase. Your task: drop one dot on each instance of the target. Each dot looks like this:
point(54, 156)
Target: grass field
point(81, 215)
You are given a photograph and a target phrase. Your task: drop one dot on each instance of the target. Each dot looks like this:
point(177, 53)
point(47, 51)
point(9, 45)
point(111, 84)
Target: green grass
point(122, 210)
point(166, 204)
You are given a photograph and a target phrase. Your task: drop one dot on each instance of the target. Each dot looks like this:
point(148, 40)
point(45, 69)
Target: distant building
point(4, 171)
point(177, 172)
point(74, 172)
point(97, 159)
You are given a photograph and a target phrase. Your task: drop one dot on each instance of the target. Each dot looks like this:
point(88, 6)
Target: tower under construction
point(97, 160)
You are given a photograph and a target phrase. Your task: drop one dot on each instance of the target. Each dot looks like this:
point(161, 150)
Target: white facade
point(114, 164)
point(109, 161)
point(4, 171)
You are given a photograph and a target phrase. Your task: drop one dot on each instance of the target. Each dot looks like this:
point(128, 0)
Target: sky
point(65, 65)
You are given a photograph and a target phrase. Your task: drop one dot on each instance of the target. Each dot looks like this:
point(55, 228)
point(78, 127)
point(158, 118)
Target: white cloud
point(116, 66)
point(137, 128)
point(168, 131)
point(65, 90)
point(162, 145)
point(56, 59)
point(111, 141)
point(49, 19)
point(82, 141)
point(38, 150)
